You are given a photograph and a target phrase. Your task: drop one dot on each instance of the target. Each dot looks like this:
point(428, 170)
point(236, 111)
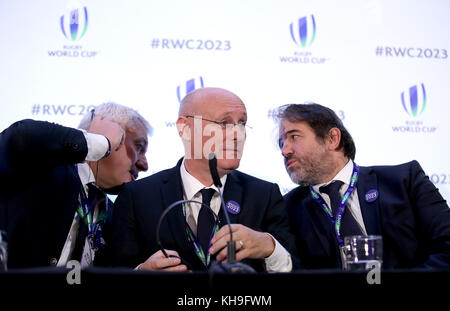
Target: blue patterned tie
point(206, 220)
point(95, 197)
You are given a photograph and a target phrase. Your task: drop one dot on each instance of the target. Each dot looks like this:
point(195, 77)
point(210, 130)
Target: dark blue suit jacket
point(140, 205)
point(409, 213)
point(39, 188)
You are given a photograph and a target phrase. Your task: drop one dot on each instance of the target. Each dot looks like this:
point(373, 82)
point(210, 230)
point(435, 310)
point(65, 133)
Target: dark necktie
point(95, 197)
point(349, 225)
point(206, 220)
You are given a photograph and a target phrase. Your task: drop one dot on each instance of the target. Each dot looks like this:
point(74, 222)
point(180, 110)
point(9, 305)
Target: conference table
point(220, 291)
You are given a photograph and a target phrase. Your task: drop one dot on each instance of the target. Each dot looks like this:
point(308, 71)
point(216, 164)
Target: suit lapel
point(232, 192)
point(367, 181)
point(172, 192)
point(321, 224)
point(74, 188)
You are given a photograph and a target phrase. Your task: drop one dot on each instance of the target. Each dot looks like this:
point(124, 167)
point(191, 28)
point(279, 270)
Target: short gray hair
point(126, 117)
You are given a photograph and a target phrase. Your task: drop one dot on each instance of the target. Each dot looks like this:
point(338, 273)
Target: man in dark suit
point(397, 202)
point(210, 120)
point(53, 180)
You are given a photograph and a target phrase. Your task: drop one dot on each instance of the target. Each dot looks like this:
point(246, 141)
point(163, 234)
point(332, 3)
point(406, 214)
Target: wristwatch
point(108, 152)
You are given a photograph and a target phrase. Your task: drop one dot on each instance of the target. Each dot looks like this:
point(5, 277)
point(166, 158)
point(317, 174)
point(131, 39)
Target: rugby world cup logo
point(303, 32)
point(414, 100)
point(74, 24)
point(189, 86)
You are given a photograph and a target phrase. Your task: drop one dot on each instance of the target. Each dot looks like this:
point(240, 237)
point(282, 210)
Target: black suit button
point(69, 145)
point(53, 261)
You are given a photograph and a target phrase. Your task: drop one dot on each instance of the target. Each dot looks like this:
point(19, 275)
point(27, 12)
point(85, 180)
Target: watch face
point(108, 152)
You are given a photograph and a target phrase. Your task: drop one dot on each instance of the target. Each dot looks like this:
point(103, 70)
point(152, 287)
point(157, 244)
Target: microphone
point(231, 265)
point(231, 247)
point(213, 170)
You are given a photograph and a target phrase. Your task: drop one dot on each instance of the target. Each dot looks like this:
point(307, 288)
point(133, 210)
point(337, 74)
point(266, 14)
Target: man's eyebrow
point(291, 132)
point(228, 114)
point(141, 140)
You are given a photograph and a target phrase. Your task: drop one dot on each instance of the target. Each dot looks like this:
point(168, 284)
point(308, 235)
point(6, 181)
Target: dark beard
point(312, 175)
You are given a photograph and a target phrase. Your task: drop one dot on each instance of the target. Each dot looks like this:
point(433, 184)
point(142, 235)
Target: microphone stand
point(231, 266)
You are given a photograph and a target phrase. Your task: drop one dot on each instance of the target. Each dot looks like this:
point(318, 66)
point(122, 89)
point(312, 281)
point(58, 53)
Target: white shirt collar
point(85, 173)
point(344, 175)
point(192, 185)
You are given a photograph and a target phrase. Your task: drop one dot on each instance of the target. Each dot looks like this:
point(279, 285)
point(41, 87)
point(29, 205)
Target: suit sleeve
point(433, 216)
point(33, 145)
point(124, 245)
point(277, 224)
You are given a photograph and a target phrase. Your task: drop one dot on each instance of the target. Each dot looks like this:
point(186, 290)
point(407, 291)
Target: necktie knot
point(207, 195)
point(349, 225)
point(332, 189)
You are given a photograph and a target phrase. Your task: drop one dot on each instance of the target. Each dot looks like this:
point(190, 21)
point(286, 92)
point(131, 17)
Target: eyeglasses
point(224, 124)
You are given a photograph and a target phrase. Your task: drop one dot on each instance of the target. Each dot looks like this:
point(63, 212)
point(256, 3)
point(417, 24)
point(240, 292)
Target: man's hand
point(110, 129)
point(158, 261)
point(249, 243)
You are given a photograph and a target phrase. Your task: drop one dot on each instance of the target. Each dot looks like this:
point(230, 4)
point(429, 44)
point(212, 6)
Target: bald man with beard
point(209, 120)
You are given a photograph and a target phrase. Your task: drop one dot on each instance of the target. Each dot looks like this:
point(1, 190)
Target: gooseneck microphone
point(231, 265)
point(231, 247)
point(161, 218)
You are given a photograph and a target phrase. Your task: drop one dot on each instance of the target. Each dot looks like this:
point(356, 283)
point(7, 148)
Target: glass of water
point(3, 251)
point(363, 252)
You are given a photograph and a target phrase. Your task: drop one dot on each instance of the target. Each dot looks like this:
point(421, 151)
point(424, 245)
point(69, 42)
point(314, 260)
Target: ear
point(334, 139)
point(183, 128)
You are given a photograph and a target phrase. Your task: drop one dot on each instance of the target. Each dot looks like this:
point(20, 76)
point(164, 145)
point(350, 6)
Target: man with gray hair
point(54, 180)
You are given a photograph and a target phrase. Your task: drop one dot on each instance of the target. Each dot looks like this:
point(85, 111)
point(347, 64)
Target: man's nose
point(286, 150)
point(141, 163)
point(236, 132)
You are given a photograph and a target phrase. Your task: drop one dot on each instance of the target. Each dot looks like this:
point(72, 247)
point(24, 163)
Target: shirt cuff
point(97, 146)
point(280, 260)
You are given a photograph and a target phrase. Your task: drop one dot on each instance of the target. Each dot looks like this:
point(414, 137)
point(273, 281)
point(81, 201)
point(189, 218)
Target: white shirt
point(279, 261)
point(353, 206)
point(97, 147)
point(191, 191)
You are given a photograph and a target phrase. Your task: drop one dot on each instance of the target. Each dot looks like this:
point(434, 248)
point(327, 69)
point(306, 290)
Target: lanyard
point(86, 213)
point(336, 221)
point(205, 258)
